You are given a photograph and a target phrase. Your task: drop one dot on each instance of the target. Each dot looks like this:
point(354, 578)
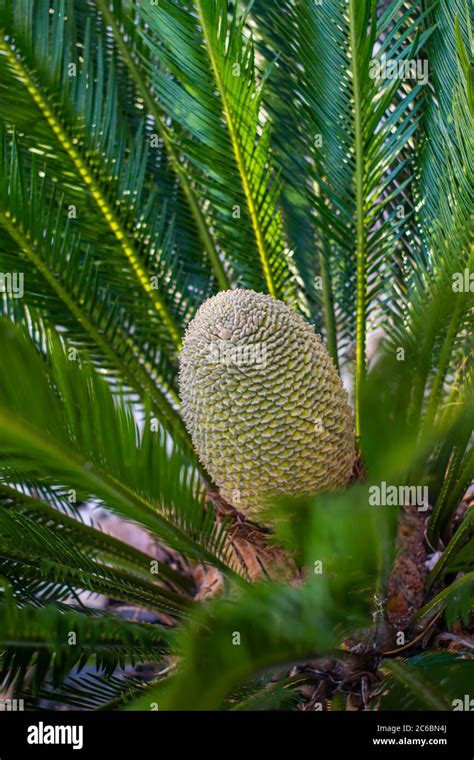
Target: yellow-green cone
point(262, 401)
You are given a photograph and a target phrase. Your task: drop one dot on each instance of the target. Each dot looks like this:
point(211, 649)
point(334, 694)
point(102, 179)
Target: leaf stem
point(412, 681)
point(104, 485)
point(90, 536)
point(159, 400)
point(201, 224)
point(90, 180)
point(238, 152)
point(361, 252)
point(328, 308)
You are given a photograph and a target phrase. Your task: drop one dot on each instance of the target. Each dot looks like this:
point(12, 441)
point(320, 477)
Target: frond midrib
point(199, 218)
point(239, 158)
point(107, 483)
point(159, 400)
point(87, 174)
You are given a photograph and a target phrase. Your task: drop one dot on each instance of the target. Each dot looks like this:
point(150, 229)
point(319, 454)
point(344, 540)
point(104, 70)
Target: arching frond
point(38, 638)
point(39, 240)
point(204, 78)
point(73, 433)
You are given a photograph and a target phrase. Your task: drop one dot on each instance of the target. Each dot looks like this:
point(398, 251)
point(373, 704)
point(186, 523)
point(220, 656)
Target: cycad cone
point(263, 402)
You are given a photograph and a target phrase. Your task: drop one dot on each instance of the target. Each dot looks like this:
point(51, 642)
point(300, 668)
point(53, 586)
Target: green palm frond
point(261, 695)
point(463, 560)
point(436, 454)
point(88, 537)
point(88, 691)
point(74, 434)
point(427, 682)
point(269, 21)
point(459, 474)
point(45, 552)
point(322, 528)
point(81, 117)
point(84, 308)
point(357, 129)
point(57, 640)
point(125, 32)
point(208, 88)
point(454, 548)
point(267, 627)
point(445, 221)
point(455, 601)
point(446, 143)
point(34, 554)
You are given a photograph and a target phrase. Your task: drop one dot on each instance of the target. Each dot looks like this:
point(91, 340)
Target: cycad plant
point(153, 154)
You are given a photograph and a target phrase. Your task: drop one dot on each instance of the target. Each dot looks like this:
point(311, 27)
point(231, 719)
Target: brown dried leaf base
point(252, 549)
